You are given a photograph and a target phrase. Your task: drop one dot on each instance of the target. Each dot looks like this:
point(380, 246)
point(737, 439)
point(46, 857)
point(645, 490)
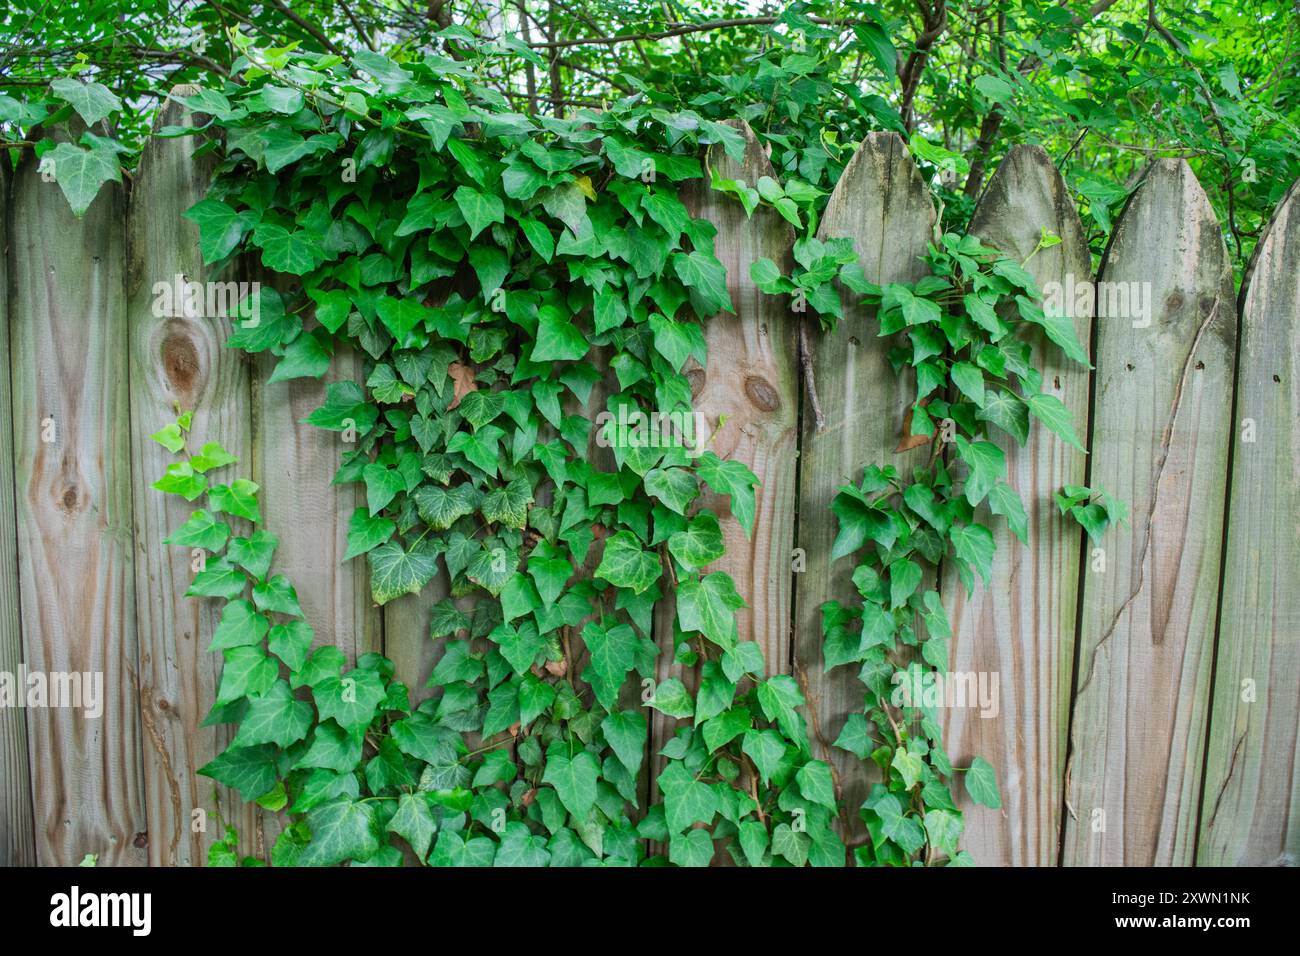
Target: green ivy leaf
point(202, 530)
point(626, 731)
point(239, 498)
point(81, 172)
point(92, 101)
point(395, 571)
point(709, 606)
point(625, 565)
point(341, 830)
point(982, 784)
point(700, 544)
point(274, 718)
point(672, 698)
point(366, 533)
point(573, 777)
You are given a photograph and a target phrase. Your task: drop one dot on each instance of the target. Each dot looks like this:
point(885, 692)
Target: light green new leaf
point(81, 172)
point(92, 101)
point(239, 498)
point(201, 531)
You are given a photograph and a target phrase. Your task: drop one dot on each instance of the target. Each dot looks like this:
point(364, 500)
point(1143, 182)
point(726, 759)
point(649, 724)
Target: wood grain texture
point(17, 834)
point(295, 465)
point(178, 359)
point(1161, 433)
point(750, 378)
point(74, 518)
point(1020, 626)
point(1250, 815)
point(882, 204)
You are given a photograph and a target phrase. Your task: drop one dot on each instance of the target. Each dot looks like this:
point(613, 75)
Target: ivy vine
point(488, 265)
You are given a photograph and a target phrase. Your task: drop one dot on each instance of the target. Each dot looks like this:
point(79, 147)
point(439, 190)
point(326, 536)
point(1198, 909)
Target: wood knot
point(69, 501)
point(761, 394)
point(180, 361)
point(141, 841)
point(697, 378)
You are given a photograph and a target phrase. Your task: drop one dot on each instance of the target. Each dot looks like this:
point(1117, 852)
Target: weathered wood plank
point(1250, 815)
point(74, 518)
point(1161, 432)
point(177, 360)
point(748, 392)
point(1020, 627)
point(295, 465)
point(17, 836)
point(882, 204)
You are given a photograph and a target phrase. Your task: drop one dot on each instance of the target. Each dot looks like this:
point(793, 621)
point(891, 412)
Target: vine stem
point(810, 380)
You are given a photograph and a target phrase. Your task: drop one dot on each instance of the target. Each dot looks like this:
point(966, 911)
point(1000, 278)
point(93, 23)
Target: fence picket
point(1161, 428)
point(749, 393)
point(1020, 626)
point(882, 204)
point(1249, 809)
point(17, 839)
point(177, 360)
point(75, 540)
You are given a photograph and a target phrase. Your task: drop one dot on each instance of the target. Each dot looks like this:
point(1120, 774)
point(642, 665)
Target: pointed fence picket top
point(17, 842)
point(1161, 433)
point(1252, 779)
point(177, 359)
point(1019, 628)
point(748, 395)
point(72, 464)
point(883, 205)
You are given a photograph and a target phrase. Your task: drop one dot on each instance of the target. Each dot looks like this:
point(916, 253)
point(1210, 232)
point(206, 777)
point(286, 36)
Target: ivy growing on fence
point(491, 266)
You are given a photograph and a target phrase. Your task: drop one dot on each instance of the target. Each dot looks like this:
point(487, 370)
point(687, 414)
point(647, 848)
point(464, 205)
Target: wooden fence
point(1149, 691)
